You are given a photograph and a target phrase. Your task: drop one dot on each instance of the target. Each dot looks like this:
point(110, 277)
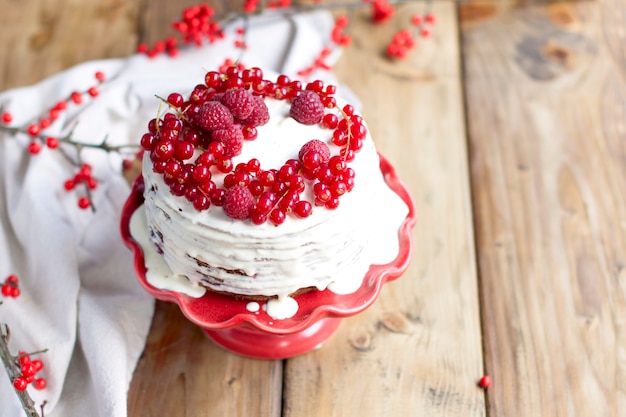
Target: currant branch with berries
point(21, 369)
point(200, 24)
point(35, 131)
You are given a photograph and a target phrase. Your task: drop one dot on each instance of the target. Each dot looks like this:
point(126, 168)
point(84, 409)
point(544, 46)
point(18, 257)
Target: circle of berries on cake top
point(200, 135)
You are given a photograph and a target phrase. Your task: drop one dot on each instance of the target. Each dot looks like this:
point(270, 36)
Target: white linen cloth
point(80, 298)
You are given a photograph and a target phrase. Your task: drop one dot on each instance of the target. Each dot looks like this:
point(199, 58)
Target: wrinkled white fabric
point(80, 298)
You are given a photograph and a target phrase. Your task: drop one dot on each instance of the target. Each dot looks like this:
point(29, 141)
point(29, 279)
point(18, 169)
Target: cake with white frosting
point(264, 189)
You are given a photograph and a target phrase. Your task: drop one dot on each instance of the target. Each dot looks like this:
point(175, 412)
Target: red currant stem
point(180, 114)
point(348, 130)
point(14, 371)
point(77, 144)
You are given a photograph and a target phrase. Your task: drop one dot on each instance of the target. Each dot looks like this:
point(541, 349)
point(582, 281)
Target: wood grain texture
point(546, 103)
point(42, 38)
point(417, 351)
point(181, 373)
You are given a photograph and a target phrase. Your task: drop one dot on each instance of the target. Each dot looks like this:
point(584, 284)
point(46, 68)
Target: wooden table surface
point(509, 127)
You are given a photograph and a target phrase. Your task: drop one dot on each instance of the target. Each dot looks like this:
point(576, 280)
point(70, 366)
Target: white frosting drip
point(330, 249)
point(158, 273)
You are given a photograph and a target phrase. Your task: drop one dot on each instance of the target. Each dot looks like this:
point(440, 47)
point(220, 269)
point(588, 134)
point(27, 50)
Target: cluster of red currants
point(209, 128)
point(83, 176)
point(38, 139)
point(10, 287)
point(403, 41)
point(29, 369)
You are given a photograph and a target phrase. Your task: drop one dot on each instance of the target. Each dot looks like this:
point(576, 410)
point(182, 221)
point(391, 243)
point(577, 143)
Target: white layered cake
point(296, 202)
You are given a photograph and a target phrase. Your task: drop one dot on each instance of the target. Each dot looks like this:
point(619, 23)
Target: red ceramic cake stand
point(228, 322)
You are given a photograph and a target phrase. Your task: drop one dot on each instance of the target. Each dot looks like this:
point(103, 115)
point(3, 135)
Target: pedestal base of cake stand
point(254, 343)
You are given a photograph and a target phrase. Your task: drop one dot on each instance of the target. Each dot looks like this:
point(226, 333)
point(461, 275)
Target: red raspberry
point(317, 146)
point(260, 114)
point(238, 202)
point(231, 138)
point(239, 102)
point(213, 116)
point(307, 108)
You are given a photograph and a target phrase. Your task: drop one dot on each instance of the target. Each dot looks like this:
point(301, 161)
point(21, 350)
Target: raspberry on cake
point(287, 212)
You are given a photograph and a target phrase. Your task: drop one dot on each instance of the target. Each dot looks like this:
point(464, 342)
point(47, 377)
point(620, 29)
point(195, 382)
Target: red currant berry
point(253, 165)
point(147, 142)
point(34, 148)
point(12, 279)
point(38, 365)
point(183, 150)
point(52, 142)
point(6, 290)
point(336, 164)
point(267, 178)
point(76, 97)
point(337, 188)
point(69, 185)
point(15, 292)
point(84, 203)
point(201, 202)
point(303, 209)
point(224, 165)
point(28, 369)
point(175, 99)
point(333, 203)
point(348, 109)
point(325, 175)
point(93, 91)
point(99, 76)
point(297, 184)
point(277, 216)
point(249, 132)
point(217, 196)
point(164, 150)
point(7, 117)
point(216, 148)
point(330, 120)
point(485, 381)
point(40, 383)
point(207, 159)
point(92, 183)
point(201, 174)
point(20, 384)
point(23, 357)
point(285, 173)
point(255, 188)
point(33, 129)
point(311, 160)
point(257, 218)
point(324, 195)
point(266, 202)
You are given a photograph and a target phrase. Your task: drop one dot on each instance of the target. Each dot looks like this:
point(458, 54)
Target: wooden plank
point(546, 105)
point(417, 351)
point(43, 37)
point(182, 373)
